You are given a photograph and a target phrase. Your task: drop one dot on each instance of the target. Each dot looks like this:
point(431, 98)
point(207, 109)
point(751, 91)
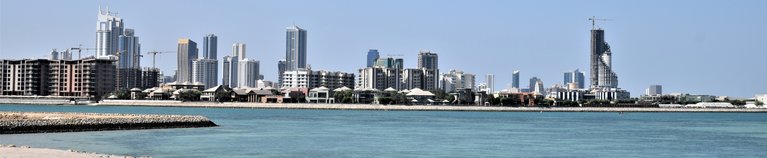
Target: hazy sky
point(698, 47)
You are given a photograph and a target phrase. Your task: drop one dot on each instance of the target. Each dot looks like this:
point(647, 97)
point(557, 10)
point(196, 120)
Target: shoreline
point(26, 151)
point(375, 107)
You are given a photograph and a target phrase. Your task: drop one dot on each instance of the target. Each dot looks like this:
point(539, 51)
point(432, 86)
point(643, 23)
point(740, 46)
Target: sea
point(246, 132)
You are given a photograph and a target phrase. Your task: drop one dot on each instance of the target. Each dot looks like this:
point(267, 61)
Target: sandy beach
point(13, 151)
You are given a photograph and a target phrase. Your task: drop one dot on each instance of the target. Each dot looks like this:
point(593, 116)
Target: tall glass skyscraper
point(210, 47)
point(130, 50)
point(515, 79)
point(372, 57)
point(108, 30)
point(187, 52)
point(295, 51)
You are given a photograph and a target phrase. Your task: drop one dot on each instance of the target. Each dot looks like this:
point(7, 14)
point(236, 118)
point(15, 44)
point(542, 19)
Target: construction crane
point(80, 50)
point(154, 55)
point(594, 23)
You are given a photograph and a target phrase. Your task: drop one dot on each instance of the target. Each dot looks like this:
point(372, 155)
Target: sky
point(688, 46)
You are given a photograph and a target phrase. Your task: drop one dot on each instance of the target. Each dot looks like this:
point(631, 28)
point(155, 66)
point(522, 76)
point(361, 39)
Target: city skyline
point(633, 54)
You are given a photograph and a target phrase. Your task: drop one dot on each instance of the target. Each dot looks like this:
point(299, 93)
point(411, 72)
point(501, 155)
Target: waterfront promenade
point(410, 107)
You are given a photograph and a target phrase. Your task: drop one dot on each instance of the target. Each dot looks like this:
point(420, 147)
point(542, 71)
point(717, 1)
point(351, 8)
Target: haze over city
point(698, 47)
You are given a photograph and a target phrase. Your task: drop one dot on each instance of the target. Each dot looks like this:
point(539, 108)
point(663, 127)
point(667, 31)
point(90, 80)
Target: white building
point(297, 78)
point(313, 79)
point(248, 72)
point(456, 79)
point(761, 97)
point(538, 88)
point(490, 80)
point(238, 50)
point(205, 71)
point(654, 90)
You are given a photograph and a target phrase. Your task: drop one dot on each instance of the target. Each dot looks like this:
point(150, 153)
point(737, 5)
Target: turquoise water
point(343, 133)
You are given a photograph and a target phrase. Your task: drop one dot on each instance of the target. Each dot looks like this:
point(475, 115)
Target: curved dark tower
point(601, 74)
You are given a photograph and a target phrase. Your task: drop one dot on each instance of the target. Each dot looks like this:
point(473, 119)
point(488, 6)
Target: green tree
point(190, 95)
point(384, 100)
point(223, 96)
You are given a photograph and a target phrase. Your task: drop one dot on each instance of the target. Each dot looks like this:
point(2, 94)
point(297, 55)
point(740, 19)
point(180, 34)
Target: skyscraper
point(576, 77)
point(533, 80)
point(280, 70)
point(427, 59)
point(248, 73)
point(455, 80)
point(108, 30)
point(429, 62)
point(230, 71)
point(515, 79)
point(390, 62)
point(210, 47)
point(187, 52)
point(490, 80)
point(372, 57)
point(654, 90)
point(128, 65)
point(538, 88)
point(295, 50)
point(205, 71)
point(130, 50)
point(238, 50)
point(602, 75)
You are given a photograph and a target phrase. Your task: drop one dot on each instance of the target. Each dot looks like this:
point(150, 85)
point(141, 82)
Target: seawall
point(45, 122)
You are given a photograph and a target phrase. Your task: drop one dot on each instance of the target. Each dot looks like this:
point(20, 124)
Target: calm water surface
point(341, 133)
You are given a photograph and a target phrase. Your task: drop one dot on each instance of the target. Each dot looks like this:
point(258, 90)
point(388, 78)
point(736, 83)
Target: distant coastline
point(411, 107)
point(315, 106)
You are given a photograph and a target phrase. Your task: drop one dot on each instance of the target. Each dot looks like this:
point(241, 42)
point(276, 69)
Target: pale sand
point(26, 152)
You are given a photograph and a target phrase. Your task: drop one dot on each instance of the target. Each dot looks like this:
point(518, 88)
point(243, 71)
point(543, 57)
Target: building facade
point(456, 80)
point(238, 50)
point(210, 47)
point(490, 81)
point(295, 51)
point(313, 79)
point(602, 75)
point(576, 77)
point(229, 69)
point(84, 78)
point(248, 72)
point(654, 90)
point(109, 27)
point(187, 53)
point(373, 55)
point(515, 79)
point(205, 71)
point(428, 60)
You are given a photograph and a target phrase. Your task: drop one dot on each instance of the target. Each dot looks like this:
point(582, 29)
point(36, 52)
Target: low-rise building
point(84, 78)
point(321, 78)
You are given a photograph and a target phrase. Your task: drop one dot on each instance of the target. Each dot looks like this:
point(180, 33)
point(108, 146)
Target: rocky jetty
point(43, 122)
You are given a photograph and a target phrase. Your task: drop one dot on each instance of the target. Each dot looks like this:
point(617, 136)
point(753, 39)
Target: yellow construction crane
point(594, 23)
point(154, 55)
